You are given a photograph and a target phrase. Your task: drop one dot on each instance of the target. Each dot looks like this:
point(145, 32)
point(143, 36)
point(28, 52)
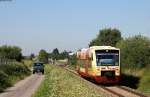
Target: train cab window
point(107, 59)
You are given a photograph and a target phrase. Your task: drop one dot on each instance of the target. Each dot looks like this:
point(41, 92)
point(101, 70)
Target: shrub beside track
point(11, 73)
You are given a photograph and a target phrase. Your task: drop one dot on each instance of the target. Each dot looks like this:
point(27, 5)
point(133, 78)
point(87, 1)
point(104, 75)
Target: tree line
point(10, 53)
point(135, 50)
point(54, 55)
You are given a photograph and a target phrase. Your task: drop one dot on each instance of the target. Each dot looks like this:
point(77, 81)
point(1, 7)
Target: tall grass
point(144, 84)
point(61, 83)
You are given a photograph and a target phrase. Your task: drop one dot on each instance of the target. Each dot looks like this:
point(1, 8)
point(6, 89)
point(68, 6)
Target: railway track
point(116, 91)
point(122, 92)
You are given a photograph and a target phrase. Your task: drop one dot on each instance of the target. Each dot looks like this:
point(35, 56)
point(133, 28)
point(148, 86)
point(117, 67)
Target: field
point(61, 83)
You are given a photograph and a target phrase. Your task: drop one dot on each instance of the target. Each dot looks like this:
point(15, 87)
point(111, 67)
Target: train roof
point(98, 48)
point(104, 47)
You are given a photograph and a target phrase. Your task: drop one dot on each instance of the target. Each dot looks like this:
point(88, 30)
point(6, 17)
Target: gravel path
point(24, 88)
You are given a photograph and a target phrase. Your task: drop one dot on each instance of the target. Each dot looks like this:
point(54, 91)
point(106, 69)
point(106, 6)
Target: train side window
point(82, 63)
point(89, 64)
point(92, 57)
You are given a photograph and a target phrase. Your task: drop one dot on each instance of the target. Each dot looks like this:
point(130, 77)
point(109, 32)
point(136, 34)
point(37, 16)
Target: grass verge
point(61, 83)
point(144, 84)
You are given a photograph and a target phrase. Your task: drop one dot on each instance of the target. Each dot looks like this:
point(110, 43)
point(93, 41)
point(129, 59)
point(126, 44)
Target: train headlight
point(117, 72)
point(98, 69)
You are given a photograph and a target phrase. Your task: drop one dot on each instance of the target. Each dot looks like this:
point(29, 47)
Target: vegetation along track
point(118, 91)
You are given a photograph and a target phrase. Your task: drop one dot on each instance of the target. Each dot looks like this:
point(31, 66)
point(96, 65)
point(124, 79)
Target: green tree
point(55, 51)
point(43, 56)
point(55, 54)
point(73, 60)
point(32, 56)
point(135, 51)
point(10, 52)
point(107, 37)
point(64, 55)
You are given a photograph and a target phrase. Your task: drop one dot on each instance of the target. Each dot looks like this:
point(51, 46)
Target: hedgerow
point(10, 73)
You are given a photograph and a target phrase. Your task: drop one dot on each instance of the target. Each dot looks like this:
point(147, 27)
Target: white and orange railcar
point(101, 63)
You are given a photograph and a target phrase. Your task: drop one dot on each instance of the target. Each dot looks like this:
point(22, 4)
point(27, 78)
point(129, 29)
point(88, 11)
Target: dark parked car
point(38, 67)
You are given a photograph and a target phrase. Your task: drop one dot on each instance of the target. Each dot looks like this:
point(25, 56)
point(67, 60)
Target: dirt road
point(24, 88)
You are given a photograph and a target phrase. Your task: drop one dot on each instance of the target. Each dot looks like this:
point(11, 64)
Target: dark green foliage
point(3, 80)
point(130, 81)
point(64, 55)
point(144, 85)
point(107, 37)
point(43, 56)
point(135, 51)
point(10, 52)
point(15, 69)
point(73, 60)
point(10, 73)
point(56, 55)
point(55, 51)
point(32, 56)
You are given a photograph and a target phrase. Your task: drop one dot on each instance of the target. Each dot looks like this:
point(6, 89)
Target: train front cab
point(106, 65)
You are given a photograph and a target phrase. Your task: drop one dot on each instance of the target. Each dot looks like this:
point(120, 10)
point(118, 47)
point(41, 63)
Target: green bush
point(15, 69)
point(135, 51)
point(3, 82)
point(10, 73)
point(72, 60)
point(10, 52)
point(43, 56)
point(144, 85)
point(135, 60)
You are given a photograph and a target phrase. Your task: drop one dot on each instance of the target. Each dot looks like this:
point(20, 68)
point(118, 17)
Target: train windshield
point(107, 58)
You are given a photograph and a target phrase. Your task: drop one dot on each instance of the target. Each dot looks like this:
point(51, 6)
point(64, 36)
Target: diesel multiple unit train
point(100, 63)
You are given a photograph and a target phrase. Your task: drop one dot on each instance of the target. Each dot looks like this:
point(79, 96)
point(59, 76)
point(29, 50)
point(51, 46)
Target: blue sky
point(68, 24)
